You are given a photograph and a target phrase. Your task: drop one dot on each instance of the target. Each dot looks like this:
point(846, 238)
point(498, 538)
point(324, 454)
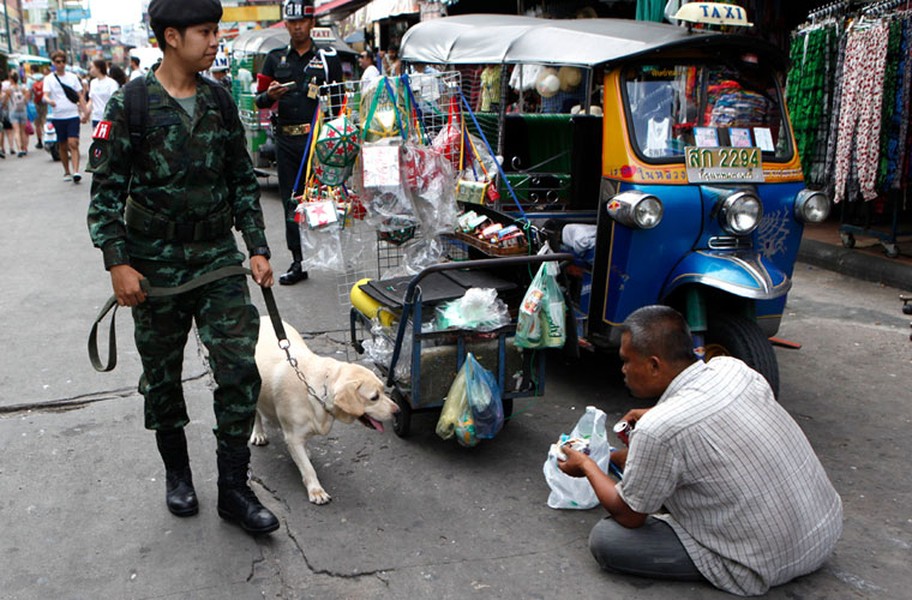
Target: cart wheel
point(907, 309)
point(508, 410)
point(848, 240)
point(738, 336)
point(891, 250)
point(402, 420)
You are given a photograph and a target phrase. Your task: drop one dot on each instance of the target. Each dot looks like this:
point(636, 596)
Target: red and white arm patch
point(102, 130)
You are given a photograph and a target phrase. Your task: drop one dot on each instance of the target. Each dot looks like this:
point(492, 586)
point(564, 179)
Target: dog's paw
point(258, 439)
point(319, 496)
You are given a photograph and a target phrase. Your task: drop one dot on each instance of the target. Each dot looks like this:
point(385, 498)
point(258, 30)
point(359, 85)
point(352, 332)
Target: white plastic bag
point(576, 492)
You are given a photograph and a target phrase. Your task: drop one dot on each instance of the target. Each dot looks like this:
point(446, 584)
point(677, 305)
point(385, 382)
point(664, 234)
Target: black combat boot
point(179, 493)
point(294, 275)
point(236, 501)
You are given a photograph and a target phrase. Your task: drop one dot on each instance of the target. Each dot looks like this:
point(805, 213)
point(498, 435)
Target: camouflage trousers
point(228, 325)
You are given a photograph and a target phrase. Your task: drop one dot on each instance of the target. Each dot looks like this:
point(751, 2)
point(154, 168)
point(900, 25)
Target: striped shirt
point(739, 481)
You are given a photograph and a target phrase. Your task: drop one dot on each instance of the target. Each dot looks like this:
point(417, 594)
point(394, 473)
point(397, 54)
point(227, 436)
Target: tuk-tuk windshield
point(676, 105)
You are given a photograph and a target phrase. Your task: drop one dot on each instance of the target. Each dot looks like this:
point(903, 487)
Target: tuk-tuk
point(674, 179)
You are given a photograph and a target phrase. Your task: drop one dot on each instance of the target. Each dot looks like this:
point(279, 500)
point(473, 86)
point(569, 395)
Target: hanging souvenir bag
point(318, 218)
point(473, 186)
point(385, 111)
point(449, 140)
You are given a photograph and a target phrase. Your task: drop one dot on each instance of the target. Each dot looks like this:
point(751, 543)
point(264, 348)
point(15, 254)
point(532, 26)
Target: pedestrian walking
point(63, 93)
point(164, 199)
point(35, 84)
point(366, 62)
point(17, 97)
point(135, 71)
point(292, 76)
point(117, 73)
point(101, 88)
point(6, 135)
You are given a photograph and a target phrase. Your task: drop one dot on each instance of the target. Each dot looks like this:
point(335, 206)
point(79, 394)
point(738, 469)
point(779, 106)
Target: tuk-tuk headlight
point(812, 206)
point(740, 213)
point(636, 209)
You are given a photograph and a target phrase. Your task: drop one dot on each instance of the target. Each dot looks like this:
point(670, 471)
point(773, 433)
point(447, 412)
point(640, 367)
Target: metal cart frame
point(408, 398)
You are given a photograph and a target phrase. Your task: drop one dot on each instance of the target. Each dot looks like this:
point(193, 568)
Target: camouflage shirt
point(185, 169)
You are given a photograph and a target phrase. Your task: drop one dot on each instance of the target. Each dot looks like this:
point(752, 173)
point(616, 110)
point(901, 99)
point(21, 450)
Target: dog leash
point(154, 292)
point(271, 308)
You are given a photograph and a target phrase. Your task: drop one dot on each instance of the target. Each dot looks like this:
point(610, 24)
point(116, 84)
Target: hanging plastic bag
point(541, 320)
point(456, 416)
point(322, 248)
point(429, 181)
point(577, 492)
point(384, 196)
point(448, 141)
point(484, 399)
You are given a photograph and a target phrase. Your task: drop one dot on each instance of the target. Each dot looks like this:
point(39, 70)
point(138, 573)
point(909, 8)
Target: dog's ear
point(347, 399)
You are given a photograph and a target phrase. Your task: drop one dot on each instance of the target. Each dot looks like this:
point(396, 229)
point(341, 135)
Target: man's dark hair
point(135, 59)
point(393, 48)
point(367, 54)
point(660, 331)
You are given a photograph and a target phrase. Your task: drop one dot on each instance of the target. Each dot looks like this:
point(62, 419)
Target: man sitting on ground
point(719, 484)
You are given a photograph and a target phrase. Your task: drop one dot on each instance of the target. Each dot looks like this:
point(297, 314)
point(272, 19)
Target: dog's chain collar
point(294, 365)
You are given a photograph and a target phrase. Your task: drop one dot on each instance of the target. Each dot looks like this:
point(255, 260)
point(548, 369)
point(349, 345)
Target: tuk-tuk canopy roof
point(495, 39)
point(262, 41)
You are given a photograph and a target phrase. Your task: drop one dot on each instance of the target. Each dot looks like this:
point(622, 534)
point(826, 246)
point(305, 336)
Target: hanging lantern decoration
point(336, 150)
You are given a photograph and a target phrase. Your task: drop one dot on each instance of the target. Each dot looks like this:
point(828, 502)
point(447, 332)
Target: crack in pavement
point(74, 402)
point(300, 548)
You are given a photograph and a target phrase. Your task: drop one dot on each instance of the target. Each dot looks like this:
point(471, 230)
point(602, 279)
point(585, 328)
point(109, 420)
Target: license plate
point(719, 165)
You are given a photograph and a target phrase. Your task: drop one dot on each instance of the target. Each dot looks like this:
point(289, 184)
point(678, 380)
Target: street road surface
point(82, 486)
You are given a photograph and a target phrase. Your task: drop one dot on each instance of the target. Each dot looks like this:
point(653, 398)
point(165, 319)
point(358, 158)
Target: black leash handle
point(171, 291)
point(277, 324)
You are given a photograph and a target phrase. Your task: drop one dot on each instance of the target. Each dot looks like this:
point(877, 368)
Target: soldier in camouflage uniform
point(164, 198)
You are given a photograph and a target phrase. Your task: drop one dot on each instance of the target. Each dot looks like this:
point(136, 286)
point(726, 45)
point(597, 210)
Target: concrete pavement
point(81, 485)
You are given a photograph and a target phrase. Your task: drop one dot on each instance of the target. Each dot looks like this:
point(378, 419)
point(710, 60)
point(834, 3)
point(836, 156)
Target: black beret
point(181, 13)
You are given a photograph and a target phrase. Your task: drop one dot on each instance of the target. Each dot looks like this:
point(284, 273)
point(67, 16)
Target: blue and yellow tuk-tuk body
point(678, 166)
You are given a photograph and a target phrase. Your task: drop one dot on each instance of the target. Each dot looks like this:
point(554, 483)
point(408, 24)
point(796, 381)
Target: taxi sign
point(713, 13)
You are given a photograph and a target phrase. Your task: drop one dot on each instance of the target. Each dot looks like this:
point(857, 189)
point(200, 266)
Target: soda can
point(622, 430)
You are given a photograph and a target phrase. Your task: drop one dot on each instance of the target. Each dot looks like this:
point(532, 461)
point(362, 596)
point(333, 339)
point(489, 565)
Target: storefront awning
point(337, 10)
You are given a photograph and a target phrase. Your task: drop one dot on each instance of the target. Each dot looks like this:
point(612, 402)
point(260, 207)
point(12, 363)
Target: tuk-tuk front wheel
point(739, 336)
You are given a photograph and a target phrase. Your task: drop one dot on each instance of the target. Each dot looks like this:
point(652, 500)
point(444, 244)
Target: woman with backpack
point(16, 97)
point(35, 84)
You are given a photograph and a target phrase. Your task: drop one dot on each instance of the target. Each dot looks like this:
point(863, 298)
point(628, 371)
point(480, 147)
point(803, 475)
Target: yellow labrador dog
point(334, 390)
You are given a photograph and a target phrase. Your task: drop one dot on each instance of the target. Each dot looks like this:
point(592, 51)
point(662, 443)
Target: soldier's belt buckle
point(300, 129)
point(185, 232)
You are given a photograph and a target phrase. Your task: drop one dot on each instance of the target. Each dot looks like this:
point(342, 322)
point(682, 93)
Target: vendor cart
point(435, 356)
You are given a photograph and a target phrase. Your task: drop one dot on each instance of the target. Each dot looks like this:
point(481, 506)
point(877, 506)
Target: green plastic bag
point(541, 322)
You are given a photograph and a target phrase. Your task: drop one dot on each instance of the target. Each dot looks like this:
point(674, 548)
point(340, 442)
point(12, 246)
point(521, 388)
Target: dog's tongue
point(372, 423)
